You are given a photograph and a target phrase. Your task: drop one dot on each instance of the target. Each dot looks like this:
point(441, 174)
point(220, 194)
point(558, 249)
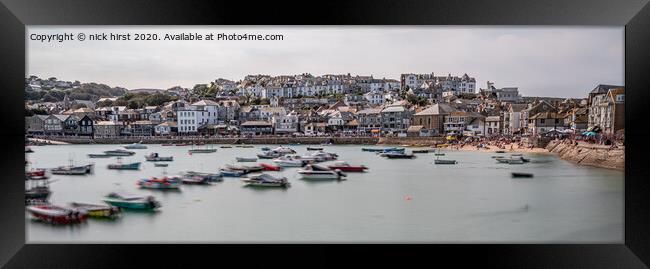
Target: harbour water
point(397, 200)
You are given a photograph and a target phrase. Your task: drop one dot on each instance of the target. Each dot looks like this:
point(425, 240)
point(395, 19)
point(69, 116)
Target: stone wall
point(256, 140)
point(592, 155)
point(429, 141)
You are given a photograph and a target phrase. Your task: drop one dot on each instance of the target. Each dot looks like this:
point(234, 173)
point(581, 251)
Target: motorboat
point(100, 155)
point(314, 148)
point(155, 157)
point(445, 161)
point(166, 145)
point(119, 152)
point(125, 166)
point(160, 164)
point(163, 183)
point(285, 150)
point(420, 151)
point(226, 147)
point(125, 200)
point(345, 167)
point(269, 155)
point(269, 167)
point(57, 214)
point(313, 171)
point(195, 180)
point(286, 161)
point(517, 174)
point(97, 211)
point(245, 168)
point(322, 156)
point(135, 146)
point(266, 180)
point(211, 177)
point(231, 173)
point(265, 148)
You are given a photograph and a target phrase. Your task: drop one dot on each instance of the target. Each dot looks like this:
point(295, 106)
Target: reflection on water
point(397, 200)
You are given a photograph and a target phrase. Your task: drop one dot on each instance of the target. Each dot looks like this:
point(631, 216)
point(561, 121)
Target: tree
point(105, 103)
point(133, 104)
point(78, 106)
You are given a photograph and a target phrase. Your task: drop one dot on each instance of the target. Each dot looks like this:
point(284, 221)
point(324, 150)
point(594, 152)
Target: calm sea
point(397, 200)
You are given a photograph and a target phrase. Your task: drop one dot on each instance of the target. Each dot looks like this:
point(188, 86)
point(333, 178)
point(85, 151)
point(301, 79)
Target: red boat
point(268, 167)
point(36, 174)
point(345, 167)
point(57, 214)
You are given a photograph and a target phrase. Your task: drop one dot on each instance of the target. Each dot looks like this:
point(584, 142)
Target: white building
point(191, 117)
point(375, 97)
point(286, 123)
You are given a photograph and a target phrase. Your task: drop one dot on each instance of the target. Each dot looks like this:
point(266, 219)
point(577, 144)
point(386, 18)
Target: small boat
point(160, 164)
point(517, 154)
point(37, 193)
point(182, 144)
point(28, 150)
point(247, 146)
point(284, 150)
point(516, 174)
point(226, 147)
point(439, 154)
point(420, 151)
point(269, 155)
point(124, 200)
point(119, 152)
point(154, 157)
point(266, 180)
point(313, 171)
point(202, 150)
point(395, 155)
point(36, 174)
point(125, 166)
point(231, 173)
point(265, 148)
point(345, 167)
point(445, 161)
point(211, 177)
point(73, 170)
point(314, 148)
point(100, 155)
point(245, 168)
point(163, 183)
point(289, 162)
point(97, 211)
point(195, 180)
point(500, 151)
point(515, 161)
point(242, 159)
point(502, 159)
point(321, 156)
point(269, 167)
point(135, 146)
point(57, 214)
point(374, 149)
point(167, 145)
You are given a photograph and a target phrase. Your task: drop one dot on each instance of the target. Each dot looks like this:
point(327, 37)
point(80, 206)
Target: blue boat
point(125, 166)
point(231, 173)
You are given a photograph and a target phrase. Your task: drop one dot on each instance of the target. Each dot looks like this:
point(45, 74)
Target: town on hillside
point(416, 105)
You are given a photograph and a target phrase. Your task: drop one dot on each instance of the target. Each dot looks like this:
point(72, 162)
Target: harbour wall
point(587, 154)
point(426, 141)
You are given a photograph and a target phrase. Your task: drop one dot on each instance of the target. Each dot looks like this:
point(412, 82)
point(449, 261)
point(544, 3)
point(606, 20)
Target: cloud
point(543, 61)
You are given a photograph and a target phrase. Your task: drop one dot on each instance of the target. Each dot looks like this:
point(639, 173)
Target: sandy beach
point(512, 148)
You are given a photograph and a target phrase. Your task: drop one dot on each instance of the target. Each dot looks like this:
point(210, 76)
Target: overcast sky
point(541, 61)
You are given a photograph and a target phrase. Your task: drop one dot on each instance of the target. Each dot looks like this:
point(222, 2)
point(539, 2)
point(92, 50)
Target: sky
point(555, 61)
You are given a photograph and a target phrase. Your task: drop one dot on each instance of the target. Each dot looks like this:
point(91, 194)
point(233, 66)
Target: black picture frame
point(634, 15)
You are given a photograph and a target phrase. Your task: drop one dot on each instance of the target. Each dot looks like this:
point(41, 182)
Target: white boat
point(135, 146)
point(244, 159)
point(322, 156)
point(286, 161)
point(284, 150)
point(312, 171)
point(266, 180)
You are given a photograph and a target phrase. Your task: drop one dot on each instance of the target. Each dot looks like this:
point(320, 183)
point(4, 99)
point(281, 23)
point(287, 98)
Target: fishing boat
point(517, 174)
point(195, 180)
point(243, 159)
point(99, 155)
point(397, 155)
point(135, 146)
point(40, 193)
point(285, 150)
point(269, 155)
point(231, 173)
point(345, 167)
point(163, 183)
point(266, 180)
point(154, 157)
point(36, 174)
point(269, 167)
point(124, 200)
point(314, 148)
point(72, 170)
point(97, 211)
point(438, 161)
point(160, 164)
point(313, 171)
point(420, 151)
point(57, 214)
point(212, 177)
point(124, 166)
point(119, 152)
point(286, 161)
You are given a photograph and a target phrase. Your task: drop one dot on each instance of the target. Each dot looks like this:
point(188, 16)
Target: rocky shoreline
point(589, 154)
